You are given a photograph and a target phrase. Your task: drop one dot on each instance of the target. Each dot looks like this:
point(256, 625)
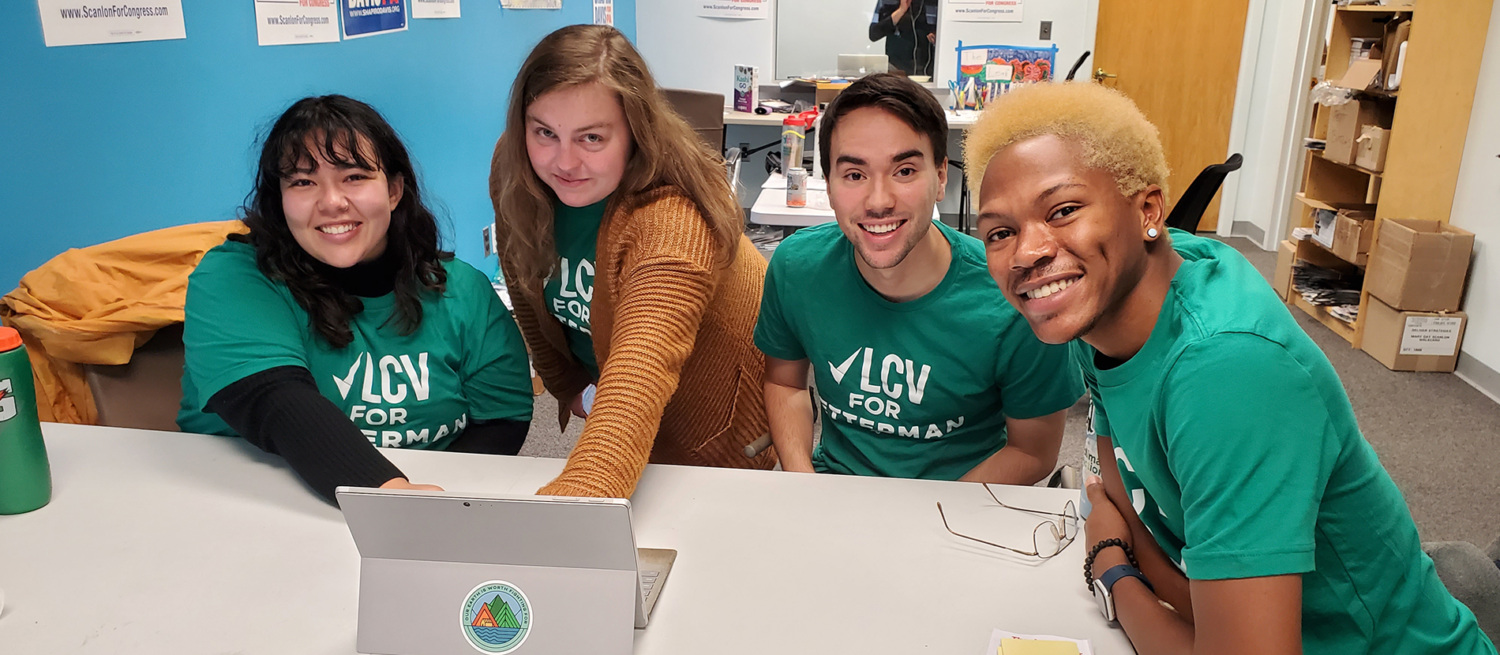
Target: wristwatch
point(1106, 582)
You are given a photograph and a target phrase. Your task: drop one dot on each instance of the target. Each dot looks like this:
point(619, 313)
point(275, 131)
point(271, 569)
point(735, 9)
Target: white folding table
point(160, 543)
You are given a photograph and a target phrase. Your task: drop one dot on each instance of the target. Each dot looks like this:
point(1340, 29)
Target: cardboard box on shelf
point(1372, 144)
point(1412, 341)
point(1396, 33)
point(1352, 232)
point(1337, 185)
point(1362, 74)
point(1420, 265)
point(1286, 256)
point(1346, 123)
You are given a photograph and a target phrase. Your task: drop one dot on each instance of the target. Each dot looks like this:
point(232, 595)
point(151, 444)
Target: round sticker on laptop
point(496, 617)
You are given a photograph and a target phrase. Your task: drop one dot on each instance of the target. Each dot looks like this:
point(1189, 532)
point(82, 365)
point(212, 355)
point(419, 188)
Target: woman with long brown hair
point(623, 245)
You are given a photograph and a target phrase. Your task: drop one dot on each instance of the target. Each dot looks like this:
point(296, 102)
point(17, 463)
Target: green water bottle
point(25, 478)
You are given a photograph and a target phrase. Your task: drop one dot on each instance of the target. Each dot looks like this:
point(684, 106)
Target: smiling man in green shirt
point(1235, 475)
point(922, 369)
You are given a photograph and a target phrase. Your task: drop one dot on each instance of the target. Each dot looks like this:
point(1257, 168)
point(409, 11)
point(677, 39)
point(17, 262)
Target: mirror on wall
point(831, 38)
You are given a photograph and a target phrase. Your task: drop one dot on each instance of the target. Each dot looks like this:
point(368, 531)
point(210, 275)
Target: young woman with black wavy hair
point(337, 325)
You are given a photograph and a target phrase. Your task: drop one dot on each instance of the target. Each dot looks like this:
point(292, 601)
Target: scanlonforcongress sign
point(85, 22)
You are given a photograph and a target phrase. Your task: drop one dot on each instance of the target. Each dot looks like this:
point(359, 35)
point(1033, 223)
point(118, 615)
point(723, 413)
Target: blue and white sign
point(371, 17)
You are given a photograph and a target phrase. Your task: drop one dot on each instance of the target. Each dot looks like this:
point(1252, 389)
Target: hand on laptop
point(403, 483)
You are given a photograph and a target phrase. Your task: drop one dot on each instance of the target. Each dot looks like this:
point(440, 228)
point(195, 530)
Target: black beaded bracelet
point(1088, 562)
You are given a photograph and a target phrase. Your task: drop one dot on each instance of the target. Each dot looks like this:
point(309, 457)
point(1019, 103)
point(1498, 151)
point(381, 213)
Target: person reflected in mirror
point(909, 28)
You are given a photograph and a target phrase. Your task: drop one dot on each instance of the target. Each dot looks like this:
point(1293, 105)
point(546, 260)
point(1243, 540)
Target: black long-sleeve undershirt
point(281, 411)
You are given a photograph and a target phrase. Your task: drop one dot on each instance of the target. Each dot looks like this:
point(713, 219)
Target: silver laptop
point(859, 65)
point(451, 573)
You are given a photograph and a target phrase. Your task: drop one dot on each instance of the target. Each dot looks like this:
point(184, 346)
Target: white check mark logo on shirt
point(347, 382)
point(841, 369)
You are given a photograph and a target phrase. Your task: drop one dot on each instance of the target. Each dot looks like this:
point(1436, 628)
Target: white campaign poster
point(279, 22)
point(752, 9)
point(604, 12)
point(84, 22)
point(984, 11)
point(531, 4)
point(434, 9)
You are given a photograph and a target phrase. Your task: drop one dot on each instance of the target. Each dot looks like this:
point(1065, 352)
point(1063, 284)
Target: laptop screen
point(514, 530)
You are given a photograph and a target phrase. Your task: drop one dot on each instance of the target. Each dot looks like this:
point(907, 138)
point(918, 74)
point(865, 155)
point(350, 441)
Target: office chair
point(703, 111)
point(1190, 207)
point(146, 392)
point(1076, 65)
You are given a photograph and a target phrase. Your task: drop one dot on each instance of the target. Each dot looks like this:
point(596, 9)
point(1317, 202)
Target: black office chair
point(1077, 65)
point(1190, 207)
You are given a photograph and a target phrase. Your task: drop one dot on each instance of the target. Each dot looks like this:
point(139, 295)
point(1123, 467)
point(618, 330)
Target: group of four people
point(1240, 509)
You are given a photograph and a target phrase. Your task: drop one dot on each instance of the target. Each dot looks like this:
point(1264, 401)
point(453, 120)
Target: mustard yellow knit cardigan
point(680, 378)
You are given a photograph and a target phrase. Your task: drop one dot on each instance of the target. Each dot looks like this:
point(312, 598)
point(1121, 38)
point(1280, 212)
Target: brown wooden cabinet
point(1428, 122)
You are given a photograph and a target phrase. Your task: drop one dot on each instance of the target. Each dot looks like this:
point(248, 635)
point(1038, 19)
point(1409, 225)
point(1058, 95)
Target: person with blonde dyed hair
point(1113, 134)
point(623, 247)
point(1240, 510)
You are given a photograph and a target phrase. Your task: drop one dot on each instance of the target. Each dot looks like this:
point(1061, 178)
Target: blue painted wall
point(102, 141)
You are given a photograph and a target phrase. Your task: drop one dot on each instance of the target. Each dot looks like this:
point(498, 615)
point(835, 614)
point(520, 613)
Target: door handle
point(1100, 75)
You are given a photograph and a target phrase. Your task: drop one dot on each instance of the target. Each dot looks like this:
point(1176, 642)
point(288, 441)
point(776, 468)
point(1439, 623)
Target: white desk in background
point(160, 542)
point(770, 206)
point(961, 120)
point(732, 117)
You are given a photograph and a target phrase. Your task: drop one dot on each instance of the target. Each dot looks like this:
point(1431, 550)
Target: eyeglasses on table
point(1049, 538)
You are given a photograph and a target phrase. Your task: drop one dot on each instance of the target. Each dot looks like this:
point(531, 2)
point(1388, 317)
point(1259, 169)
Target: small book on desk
point(746, 88)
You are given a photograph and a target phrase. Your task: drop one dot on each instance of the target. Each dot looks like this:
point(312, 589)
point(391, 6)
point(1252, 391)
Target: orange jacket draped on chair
point(96, 305)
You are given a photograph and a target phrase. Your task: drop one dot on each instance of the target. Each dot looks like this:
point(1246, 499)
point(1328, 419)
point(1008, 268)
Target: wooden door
point(1179, 60)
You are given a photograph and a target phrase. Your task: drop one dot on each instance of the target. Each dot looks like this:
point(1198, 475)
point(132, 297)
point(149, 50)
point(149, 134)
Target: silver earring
point(1152, 233)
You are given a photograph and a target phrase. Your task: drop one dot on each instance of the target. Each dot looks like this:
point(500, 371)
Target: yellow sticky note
point(1037, 647)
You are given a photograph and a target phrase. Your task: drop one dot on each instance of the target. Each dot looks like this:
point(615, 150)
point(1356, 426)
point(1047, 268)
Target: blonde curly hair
point(1112, 131)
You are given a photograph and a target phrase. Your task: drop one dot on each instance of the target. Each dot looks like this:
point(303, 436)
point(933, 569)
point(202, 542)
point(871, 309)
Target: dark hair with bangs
point(897, 95)
point(345, 132)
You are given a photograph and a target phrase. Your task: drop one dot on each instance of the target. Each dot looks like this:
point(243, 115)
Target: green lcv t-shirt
point(569, 292)
point(918, 389)
point(466, 362)
point(1239, 449)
